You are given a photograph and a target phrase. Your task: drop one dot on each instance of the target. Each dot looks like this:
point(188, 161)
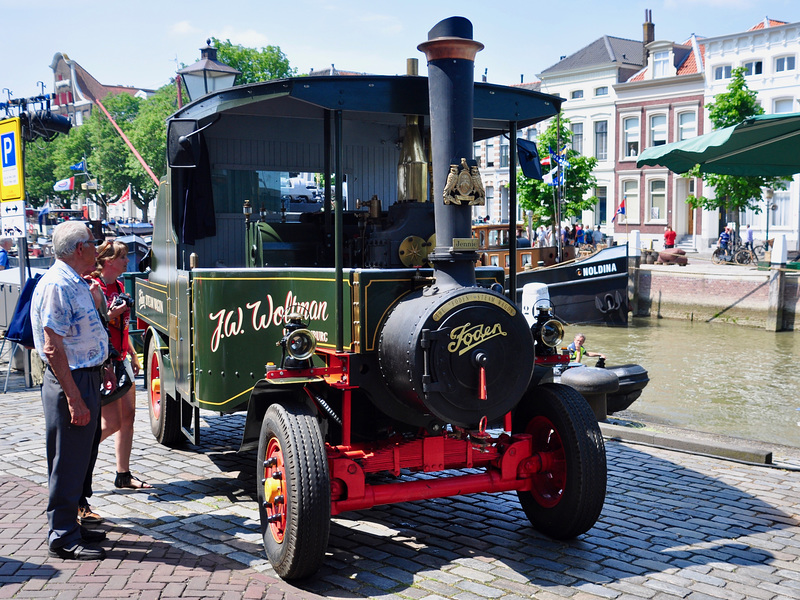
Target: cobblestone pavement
point(674, 526)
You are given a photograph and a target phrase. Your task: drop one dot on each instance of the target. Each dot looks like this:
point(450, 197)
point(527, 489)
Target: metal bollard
point(593, 384)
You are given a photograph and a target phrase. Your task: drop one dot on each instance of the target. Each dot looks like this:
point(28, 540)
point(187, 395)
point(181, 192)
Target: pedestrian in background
point(669, 237)
point(748, 239)
point(71, 340)
point(597, 236)
point(5, 246)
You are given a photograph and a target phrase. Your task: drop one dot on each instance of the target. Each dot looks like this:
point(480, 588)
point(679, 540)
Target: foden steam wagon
point(360, 339)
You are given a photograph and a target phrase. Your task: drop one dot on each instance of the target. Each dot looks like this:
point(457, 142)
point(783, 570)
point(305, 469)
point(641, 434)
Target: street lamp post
point(768, 193)
point(207, 74)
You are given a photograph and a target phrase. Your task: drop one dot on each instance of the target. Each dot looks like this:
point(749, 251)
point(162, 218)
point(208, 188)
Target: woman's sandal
point(126, 480)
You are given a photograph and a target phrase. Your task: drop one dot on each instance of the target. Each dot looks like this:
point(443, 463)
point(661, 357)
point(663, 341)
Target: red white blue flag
point(620, 210)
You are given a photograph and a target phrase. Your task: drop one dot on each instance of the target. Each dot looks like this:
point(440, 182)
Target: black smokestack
point(451, 51)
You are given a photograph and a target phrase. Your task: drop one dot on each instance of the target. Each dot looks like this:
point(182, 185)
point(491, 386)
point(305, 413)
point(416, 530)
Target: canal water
point(711, 377)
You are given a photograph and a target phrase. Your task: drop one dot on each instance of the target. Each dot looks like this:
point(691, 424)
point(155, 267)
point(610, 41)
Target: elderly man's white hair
point(67, 236)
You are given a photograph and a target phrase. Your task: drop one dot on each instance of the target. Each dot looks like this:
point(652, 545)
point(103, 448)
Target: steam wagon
point(360, 339)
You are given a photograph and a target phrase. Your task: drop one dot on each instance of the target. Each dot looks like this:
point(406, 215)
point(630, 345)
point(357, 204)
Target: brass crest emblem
point(464, 185)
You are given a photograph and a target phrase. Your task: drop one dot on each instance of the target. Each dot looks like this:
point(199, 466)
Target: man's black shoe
point(78, 552)
point(92, 536)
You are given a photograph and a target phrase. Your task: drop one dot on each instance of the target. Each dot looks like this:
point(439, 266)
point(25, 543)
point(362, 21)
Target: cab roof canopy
point(370, 98)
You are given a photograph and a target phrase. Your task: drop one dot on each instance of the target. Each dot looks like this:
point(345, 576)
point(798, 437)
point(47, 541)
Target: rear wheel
point(568, 495)
point(716, 257)
point(294, 490)
point(164, 410)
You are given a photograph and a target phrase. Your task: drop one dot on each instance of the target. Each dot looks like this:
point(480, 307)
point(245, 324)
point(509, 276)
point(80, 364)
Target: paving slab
point(674, 525)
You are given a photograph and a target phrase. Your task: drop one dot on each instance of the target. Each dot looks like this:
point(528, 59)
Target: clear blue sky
point(139, 43)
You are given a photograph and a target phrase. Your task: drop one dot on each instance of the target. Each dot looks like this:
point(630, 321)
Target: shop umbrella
point(766, 145)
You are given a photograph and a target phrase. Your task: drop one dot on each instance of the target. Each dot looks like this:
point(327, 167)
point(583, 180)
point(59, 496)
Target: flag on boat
point(64, 185)
point(552, 177)
point(44, 211)
point(81, 166)
point(620, 210)
point(529, 159)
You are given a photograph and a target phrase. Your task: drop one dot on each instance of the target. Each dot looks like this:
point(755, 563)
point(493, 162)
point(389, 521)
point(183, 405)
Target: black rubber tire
point(716, 257)
point(295, 432)
point(163, 408)
point(576, 509)
point(743, 256)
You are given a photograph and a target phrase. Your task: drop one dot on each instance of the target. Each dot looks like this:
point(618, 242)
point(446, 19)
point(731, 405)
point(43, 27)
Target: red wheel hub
point(154, 380)
point(275, 490)
point(549, 483)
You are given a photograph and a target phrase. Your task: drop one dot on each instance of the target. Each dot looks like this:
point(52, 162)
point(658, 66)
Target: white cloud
point(727, 4)
point(183, 28)
point(383, 23)
point(245, 37)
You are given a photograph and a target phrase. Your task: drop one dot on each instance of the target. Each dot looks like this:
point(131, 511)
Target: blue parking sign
point(8, 149)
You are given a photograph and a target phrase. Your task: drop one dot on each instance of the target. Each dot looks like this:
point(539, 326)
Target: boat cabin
point(493, 244)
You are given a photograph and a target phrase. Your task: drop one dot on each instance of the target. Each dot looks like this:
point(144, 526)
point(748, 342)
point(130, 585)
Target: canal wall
point(714, 293)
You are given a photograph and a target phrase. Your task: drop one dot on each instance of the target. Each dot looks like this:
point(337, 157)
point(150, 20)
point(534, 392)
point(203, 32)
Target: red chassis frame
point(510, 461)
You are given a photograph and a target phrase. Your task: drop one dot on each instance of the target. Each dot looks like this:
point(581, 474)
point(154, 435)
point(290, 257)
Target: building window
point(658, 200)
point(630, 131)
point(784, 63)
point(687, 125)
point(779, 216)
point(752, 68)
point(576, 94)
point(601, 140)
point(489, 153)
point(784, 105)
point(476, 152)
point(601, 91)
point(503, 151)
point(600, 217)
point(661, 64)
point(630, 193)
point(577, 137)
point(658, 130)
point(722, 72)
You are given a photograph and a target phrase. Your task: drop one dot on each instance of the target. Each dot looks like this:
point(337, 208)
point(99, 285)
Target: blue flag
point(81, 166)
point(529, 159)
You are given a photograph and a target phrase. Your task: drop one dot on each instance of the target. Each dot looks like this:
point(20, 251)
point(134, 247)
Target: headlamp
point(300, 344)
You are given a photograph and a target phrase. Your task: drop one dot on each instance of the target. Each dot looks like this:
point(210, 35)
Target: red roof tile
point(772, 23)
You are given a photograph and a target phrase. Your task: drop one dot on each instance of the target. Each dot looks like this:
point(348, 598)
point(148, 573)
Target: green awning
point(766, 145)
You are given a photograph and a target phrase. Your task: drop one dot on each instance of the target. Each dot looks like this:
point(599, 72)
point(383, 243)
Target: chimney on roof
point(648, 34)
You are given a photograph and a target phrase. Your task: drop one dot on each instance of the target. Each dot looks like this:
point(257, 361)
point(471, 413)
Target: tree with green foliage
point(536, 196)
point(733, 194)
point(255, 64)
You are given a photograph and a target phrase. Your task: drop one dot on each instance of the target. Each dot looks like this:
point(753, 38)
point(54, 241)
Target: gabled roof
point(767, 22)
point(87, 87)
point(606, 50)
point(687, 56)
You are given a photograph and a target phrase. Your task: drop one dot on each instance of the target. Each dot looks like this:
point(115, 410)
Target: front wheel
point(744, 257)
point(567, 496)
point(294, 496)
point(163, 408)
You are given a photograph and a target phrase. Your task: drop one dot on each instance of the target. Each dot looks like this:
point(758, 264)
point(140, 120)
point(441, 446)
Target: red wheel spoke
point(549, 484)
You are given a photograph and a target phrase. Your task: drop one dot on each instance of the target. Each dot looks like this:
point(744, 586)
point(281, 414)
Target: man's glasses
point(92, 242)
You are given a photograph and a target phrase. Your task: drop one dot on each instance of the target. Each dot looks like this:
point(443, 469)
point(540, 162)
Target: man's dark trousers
point(69, 449)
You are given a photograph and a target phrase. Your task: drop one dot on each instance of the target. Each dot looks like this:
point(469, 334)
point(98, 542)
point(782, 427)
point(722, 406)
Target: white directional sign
point(13, 218)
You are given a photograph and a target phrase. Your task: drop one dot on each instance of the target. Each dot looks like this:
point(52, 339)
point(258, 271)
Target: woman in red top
point(119, 406)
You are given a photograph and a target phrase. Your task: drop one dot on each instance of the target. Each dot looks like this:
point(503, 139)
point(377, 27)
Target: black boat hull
point(593, 290)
